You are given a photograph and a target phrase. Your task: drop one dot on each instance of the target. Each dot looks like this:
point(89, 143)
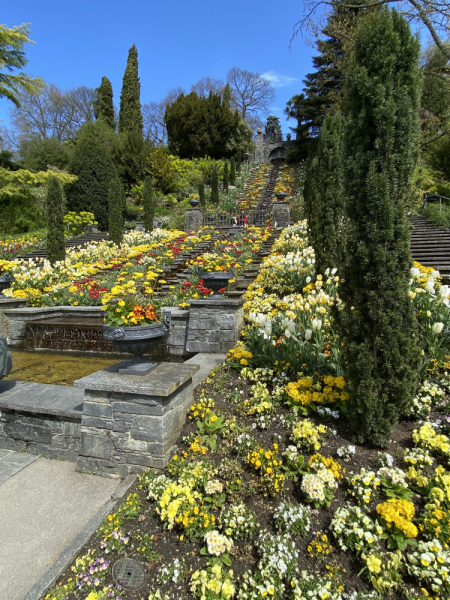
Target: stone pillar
point(133, 422)
point(214, 325)
point(177, 336)
point(260, 149)
point(5, 304)
point(193, 219)
point(281, 215)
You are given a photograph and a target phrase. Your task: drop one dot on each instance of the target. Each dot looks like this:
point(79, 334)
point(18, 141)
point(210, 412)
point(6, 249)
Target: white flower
point(437, 328)
point(308, 334)
point(430, 285)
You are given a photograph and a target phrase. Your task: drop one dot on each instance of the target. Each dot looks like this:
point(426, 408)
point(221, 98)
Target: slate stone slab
point(162, 381)
point(13, 463)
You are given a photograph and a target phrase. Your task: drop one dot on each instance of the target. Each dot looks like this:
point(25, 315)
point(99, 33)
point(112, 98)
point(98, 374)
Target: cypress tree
point(103, 104)
point(148, 201)
point(232, 171)
point(238, 160)
point(323, 193)
point(201, 193)
point(95, 170)
point(130, 115)
point(56, 248)
point(214, 187)
point(116, 197)
point(225, 176)
point(380, 351)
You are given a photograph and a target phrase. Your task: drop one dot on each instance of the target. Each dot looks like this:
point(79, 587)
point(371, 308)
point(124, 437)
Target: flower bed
point(255, 188)
point(88, 272)
point(268, 496)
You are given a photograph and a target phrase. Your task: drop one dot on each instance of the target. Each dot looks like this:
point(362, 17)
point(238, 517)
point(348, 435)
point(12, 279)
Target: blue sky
point(78, 42)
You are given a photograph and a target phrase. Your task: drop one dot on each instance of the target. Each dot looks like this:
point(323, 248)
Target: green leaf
point(204, 551)
point(226, 560)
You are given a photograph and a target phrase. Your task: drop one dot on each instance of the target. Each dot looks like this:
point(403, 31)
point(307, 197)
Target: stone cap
point(162, 381)
point(176, 312)
point(6, 300)
point(212, 302)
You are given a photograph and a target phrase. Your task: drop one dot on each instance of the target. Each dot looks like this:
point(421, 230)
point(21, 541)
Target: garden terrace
point(269, 464)
point(430, 245)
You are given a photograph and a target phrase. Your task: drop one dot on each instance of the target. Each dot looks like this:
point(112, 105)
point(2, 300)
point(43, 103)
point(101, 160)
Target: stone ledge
point(219, 303)
point(161, 382)
point(41, 399)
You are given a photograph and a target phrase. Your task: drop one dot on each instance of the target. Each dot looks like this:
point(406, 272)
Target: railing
point(432, 197)
point(227, 219)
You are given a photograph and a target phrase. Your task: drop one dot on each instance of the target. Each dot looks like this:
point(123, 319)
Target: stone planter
point(194, 202)
point(137, 341)
point(5, 282)
point(215, 281)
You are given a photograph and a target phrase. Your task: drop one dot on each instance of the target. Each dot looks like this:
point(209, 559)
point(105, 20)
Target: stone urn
point(216, 281)
point(281, 196)
point(194, 202)
point(137, 341)
point(5, 282)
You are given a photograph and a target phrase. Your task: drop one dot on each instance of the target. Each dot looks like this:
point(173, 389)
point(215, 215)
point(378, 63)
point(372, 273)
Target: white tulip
point(415, 272)
point(327, 271)
point(444, 291)
point(308, 334)
point(437, 328)
point(430, 285)
point(316, 324)
point(434, 274)
point(308, 279)
point(334, 271)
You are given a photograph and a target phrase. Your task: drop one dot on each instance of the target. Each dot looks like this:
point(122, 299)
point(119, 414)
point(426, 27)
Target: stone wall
point(51, 436)
point(193, 219)
point(17, 317)
point(281, 215)
point(214, 324)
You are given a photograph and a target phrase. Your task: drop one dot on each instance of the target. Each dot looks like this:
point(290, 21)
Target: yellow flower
point(373, 564)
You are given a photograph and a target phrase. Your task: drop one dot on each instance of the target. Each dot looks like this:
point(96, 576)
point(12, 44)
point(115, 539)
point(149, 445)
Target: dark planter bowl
point(281, 196)
point(5, 282)
point(193, 202)
point(215, 281)
point(139, 339)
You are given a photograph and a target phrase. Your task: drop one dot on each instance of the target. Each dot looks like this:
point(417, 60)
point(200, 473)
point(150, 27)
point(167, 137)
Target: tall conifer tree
point(94, 168)
point(214, 187)
point(148, 201)
point(55, 245)
point(225, 176)
point(232, 171)
point(103, 104)
point(116, 197)
point(201, 193)
point(130, 114)
point(324, 195)
point(380, 352)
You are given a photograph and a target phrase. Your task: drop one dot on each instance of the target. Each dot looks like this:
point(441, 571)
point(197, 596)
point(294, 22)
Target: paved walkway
point(44, 505)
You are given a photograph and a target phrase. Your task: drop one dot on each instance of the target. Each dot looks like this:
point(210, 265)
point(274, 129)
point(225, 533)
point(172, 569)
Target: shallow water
point(56, 368)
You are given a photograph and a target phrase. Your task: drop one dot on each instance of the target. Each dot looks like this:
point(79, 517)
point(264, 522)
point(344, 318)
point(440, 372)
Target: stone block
point(98, 422)
point(72, 429)
point(202, 323)
point(99, 396)
point(96, 409)
point(96, 446)
point(203, 346)
point(130, 445)
point(29, 432)
point(9, 443)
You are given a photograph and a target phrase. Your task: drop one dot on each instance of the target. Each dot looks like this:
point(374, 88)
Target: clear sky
point(79, 41)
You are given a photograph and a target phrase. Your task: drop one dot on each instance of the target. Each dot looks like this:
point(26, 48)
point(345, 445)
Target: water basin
point(63, 368)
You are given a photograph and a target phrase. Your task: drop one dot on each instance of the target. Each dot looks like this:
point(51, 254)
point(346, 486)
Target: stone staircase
point(258, 217)
point(430, 245)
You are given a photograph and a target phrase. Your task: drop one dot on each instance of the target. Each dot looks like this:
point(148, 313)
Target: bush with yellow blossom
point(213, 583)
point(308, 436)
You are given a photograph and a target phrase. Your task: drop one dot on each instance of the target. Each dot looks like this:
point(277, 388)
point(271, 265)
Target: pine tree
point(116, 197)
point(130, 115)
point(214, 187)
point(95, 170)
point(201, 193)
point(103, 104)
point(324, 87)
point(148, 201)
point(238, 160)
point(378, 326)
point(225, 176)
point(56, 249)
point(232, 171)
point(323, 193)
